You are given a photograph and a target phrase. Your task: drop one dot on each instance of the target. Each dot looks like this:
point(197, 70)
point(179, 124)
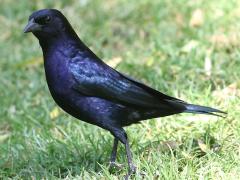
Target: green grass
point(158, 46)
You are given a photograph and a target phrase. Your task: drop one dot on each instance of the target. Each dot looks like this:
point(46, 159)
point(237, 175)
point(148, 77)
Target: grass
point(158, 42)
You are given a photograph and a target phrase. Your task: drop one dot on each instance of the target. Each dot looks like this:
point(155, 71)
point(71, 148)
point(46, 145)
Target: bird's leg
point(114, 151)
point(114, 154)
point(121, 135)
point(132, 167)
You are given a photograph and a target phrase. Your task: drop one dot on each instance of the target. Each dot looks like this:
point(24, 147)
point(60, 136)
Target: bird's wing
point(99, 80)
point(152, 91)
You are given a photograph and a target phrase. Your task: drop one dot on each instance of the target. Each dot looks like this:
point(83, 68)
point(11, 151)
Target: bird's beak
point(32, 26)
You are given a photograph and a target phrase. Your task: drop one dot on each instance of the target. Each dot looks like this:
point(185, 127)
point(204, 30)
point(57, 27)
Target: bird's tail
point(191, 108)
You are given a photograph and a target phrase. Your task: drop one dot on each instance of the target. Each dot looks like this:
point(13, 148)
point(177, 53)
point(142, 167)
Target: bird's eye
point(43, 20)
point(47, 19)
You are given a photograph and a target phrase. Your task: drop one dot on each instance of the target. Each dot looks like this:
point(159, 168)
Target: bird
point(88, 89)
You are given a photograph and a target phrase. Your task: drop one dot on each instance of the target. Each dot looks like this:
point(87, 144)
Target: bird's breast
point(57, 75)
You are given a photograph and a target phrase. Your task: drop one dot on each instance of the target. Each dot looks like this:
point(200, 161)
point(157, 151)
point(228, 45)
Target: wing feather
point(99, 80)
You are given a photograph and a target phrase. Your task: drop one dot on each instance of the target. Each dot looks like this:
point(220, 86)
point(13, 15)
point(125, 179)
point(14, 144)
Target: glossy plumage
point(88, 89)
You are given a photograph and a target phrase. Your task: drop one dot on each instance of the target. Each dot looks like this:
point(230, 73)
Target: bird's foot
point(132, 170)
point(142, 175)
point(114, 165)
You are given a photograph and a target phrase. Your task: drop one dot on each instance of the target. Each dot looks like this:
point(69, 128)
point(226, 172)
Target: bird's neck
point(61, 41)
point(47, 40)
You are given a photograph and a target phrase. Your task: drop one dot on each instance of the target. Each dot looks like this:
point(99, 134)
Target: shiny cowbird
point(88, 89)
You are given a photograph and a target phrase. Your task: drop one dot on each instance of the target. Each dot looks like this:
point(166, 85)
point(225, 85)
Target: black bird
point(88, 89)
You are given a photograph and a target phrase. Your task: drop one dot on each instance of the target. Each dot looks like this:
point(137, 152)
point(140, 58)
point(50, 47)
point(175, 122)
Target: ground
point(187, 49)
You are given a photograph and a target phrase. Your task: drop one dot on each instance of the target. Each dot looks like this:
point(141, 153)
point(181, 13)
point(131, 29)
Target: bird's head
point(47, 24)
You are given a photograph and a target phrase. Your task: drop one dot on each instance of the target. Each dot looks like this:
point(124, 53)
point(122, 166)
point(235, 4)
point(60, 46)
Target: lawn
point(187, 49)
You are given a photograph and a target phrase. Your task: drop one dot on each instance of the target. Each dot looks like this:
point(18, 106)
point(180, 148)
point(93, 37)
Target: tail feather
point(191, 108)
